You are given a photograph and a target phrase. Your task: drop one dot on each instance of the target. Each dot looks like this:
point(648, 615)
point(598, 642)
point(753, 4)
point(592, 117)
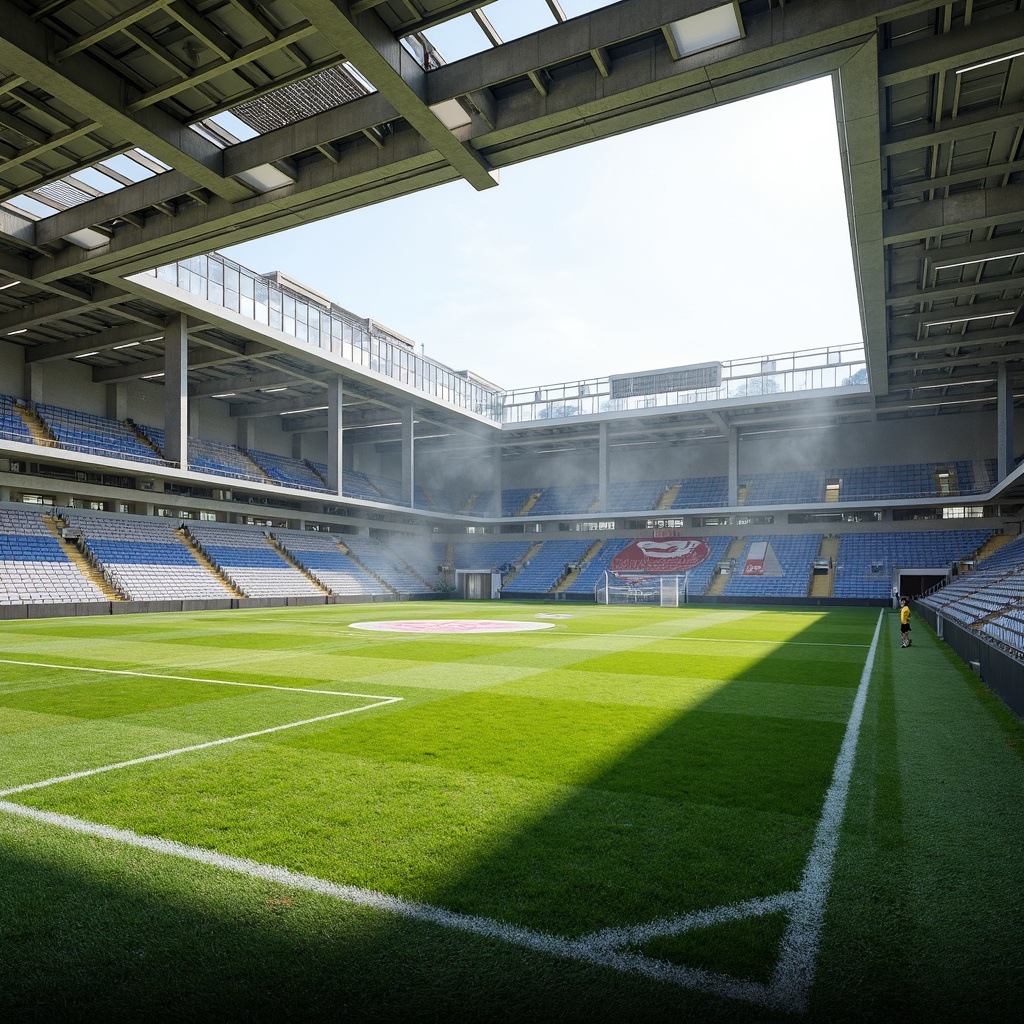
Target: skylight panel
point(458, 38)
point(515, 18)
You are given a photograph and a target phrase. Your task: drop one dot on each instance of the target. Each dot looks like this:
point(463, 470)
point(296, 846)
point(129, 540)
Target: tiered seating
point(387, 565)
point(389, 490)
point(565, 500)
point(290, 472)
point(514, 498)
point(785, 488)
point(33, 567)
point(698, 579)
point(12, 426)
point(702, 492)
point(546, 567)
point(357, 485)
point(251, 564)
point(593, 572)
point(866, 561)
point(496, 555)
point(991, 597)
point(145, 559)
point(422, 555)
point(795, 555)
point(320, 556)
point(84, 432)
point(636, 495)
point(221, 459)
point(916, 480)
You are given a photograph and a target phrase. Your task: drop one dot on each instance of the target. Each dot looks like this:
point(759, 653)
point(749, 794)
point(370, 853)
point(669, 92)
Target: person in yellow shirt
point(905, 622)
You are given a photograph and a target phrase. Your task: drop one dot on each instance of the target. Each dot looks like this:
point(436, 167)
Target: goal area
point(667, 591)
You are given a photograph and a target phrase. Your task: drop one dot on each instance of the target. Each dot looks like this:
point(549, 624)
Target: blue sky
point(720, 235)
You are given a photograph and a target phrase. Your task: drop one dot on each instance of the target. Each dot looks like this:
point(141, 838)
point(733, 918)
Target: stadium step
point(40, 432)
point(741, 494)
point(529, 503)
point(201, 557)
point(316, 472)
point(130, 424)
point(514, 571)
point(267, 478)
point(668, 496)
point(720, 579)
point(470, 503)
point(287, 556)
point(822, 583)
point(369, 572)
point(570, 577)
point(81, 560)
point(992, 545)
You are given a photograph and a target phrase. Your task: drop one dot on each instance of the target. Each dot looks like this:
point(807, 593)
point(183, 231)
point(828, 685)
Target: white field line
point(793, 975)
point(197, 746)
point(580, 950)
point(565, 634)
point(193, 679)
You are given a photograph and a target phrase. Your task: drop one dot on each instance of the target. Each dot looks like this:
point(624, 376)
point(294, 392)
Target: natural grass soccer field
point(631, 815)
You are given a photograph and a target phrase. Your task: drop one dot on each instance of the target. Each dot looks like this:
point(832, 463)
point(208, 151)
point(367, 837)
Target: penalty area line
point(85, 773)
point(194, 679)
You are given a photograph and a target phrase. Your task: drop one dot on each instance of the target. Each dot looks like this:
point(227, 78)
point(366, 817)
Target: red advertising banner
point(670, 556)
point(755, 559)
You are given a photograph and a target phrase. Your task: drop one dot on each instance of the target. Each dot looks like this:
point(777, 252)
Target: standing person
point(905, 622)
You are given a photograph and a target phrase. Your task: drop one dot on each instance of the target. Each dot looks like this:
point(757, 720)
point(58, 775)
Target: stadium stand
point(593, 572)
point(702, 492)
point(795, 555)
point(385, 564)
point(572, 500)
point(547, 566)
point(84, 432)
point(320, 555)
point(496, 555)
point(286, 471)
point(144, 558)
point(866, 561)
point(12, 426)
point(34, 569)
point(250, 563)
point(637, 495)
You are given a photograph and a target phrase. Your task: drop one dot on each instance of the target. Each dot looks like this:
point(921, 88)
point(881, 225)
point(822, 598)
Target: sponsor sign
point(755, 559)
point(665, 556)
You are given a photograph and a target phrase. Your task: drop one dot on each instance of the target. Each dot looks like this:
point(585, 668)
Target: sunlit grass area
point(530, 790)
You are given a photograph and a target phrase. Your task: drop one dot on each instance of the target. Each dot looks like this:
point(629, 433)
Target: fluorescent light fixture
point(953, 384)
point(146, 341)
point(939, 265)
point(85, 355)
point(128, 344)
point(87, 238)
point(311, 408)
point(706, 30)
point(452, 114)
point(4, 287)
point(226, 394)
point(264, 178)
point(964, 319)
point(271, 391)
point(21, 330)
point(152, 376)
point(987, 63)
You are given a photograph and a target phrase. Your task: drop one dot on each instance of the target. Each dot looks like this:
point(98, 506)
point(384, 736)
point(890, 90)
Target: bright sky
point(719, 235)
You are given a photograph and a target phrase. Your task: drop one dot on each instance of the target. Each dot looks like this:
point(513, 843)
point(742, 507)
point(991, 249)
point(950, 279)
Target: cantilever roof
point(112, 159)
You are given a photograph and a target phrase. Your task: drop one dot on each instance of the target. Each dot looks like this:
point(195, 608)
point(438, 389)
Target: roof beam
point(961, 212)
point(250, 382)
point(48, 310)
point(959, 255)
point(108, 338)
point(953, 290)
point(980, 122)
point(371, 46)
point(981, 41)
point(99, 94)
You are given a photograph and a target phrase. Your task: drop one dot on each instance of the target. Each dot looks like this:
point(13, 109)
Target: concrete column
point(1004, 421)
point(32, 387)
point(176, 390)
point(297, 446)
point(117, 401)
point(408, 456)
point(246, 436)
point(733, 497)
point(334, 434)
point(602, 467)
point(496, 479)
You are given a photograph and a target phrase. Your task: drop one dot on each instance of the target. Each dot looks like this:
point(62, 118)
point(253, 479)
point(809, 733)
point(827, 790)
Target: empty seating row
point(775, 566)
point(320, 555)
point(85, 432)
point(547, 566)
point(12, 426)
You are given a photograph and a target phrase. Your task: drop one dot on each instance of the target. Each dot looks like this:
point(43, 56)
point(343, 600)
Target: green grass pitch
point(731, 814)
